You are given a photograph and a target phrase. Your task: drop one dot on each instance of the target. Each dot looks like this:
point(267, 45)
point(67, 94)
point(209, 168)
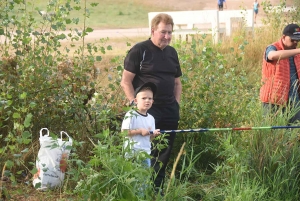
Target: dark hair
point(145, 89)
point(162, 17)
point(148, 85)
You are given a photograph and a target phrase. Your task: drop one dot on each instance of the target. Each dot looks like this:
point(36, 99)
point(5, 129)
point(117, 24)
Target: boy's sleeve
point(153, 124)
point(126, 124)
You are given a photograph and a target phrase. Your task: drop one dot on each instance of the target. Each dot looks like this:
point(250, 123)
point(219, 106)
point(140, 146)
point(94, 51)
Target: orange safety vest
point(276, 78)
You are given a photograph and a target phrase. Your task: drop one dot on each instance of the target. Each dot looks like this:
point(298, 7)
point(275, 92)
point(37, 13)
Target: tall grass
point(223, 83)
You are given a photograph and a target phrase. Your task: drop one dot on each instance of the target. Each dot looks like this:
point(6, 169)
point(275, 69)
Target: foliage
point(109, 175)
point(47, 81)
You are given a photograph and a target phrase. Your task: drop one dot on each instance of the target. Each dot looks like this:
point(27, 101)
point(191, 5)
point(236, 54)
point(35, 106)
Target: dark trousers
point(274, 109)
point(166, 118)
point(220, 6)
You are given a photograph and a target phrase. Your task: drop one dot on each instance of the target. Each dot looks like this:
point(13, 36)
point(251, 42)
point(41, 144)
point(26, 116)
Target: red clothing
point(276, 78)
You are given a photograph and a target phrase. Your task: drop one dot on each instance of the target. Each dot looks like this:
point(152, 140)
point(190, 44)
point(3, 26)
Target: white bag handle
point(41, 132)
point(63, 132)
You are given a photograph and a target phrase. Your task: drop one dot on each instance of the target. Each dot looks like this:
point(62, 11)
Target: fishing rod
point(227, 129)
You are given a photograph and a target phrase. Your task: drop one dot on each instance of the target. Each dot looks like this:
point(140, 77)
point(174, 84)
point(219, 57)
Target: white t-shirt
point(134, 120)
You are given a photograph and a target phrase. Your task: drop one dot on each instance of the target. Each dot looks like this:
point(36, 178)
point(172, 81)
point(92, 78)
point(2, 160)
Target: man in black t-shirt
point(155, 61)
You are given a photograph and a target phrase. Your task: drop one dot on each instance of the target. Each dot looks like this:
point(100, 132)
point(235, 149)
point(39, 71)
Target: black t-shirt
point(151, 64)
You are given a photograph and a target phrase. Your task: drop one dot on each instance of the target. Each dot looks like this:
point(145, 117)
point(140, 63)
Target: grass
point(109, 14)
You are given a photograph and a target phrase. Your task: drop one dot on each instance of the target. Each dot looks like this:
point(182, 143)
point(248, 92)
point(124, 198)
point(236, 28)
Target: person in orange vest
point(280, 75)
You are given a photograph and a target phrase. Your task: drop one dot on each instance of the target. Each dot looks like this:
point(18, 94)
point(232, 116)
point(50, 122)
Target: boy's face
point(144, 100)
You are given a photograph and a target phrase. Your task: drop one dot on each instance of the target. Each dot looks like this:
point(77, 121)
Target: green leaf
point(25, 150)
point(32, 104)
point(89, 29)
point(62, 36)
point(26, 141)
point(77, 7)
point(119, 68)
point(16, 115)
point(9, 164)
point(98, 58)
point(54, 27)
point(68, 21)
point(38, 185)
point(34, 171)
point(1, 31)
point(23, 95)
point(26, 134)
point(94, 4)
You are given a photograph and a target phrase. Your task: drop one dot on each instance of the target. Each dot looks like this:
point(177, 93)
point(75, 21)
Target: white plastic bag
point(51, 162)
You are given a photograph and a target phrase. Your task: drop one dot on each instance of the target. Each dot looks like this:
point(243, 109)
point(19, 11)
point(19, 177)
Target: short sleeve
point(127, 121)
point(268, 50)
point(132, 60)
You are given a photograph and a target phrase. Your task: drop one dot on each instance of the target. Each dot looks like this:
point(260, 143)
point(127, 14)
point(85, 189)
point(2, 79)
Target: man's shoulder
point(142, 44)
point(271, 48)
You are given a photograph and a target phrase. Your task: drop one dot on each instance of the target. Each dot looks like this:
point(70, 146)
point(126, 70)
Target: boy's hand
point(145, 132)
point(156, 132)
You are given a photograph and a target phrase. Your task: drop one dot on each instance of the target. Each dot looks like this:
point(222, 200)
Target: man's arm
point(177, 89)
point(282, 54)
point(126, 84)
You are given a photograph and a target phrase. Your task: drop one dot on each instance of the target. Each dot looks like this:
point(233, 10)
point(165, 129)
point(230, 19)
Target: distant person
point(154, 60)
point(281, 73)
point(255, 9)
point(138, 123)
point(221, 4)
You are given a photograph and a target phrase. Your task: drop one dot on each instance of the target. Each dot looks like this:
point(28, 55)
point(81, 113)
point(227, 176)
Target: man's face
point(289, 43)
point(162, 35)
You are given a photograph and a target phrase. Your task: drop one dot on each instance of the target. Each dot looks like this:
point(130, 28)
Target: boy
point(138, 123)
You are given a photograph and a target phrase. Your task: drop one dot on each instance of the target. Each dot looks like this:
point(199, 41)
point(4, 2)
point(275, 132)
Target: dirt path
point(175, 5)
